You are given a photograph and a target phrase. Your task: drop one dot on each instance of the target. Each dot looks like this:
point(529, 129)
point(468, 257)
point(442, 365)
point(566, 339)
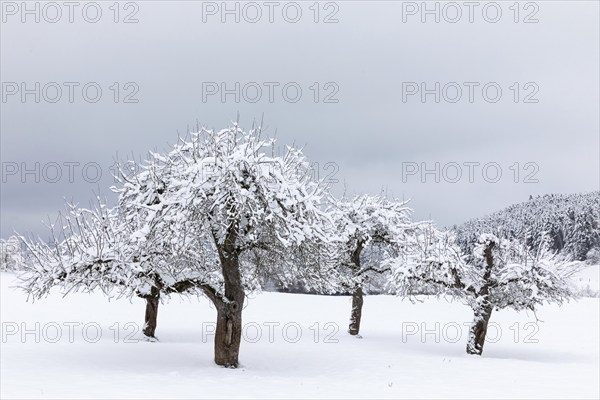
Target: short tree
point(370, 230)
point(97, 248)
point(497, 274)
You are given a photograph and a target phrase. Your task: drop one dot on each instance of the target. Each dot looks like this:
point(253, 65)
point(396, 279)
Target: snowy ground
point(588, 281)
point(557, 358)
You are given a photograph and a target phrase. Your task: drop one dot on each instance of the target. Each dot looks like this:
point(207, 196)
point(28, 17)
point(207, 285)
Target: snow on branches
point(210, 215)
point(370, 230)
point(231, 208)
point(500, 273)
point(224, 187)
point(11, 256)
point(370, 221)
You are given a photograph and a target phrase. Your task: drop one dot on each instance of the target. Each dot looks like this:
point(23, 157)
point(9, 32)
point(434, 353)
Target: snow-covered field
point(407, 350)
point(588, 281)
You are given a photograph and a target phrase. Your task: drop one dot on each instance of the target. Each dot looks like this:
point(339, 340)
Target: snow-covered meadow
point(295, 346)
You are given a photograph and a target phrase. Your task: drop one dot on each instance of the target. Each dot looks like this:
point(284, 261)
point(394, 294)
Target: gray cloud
point(370, 133)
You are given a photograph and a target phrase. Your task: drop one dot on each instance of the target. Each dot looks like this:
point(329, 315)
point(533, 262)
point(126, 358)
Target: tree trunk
point(152, 301)
point(479, 329)
point(483, 308)
point(229, 309)
point(357, 295)
point(228, 334)
point(356, 314)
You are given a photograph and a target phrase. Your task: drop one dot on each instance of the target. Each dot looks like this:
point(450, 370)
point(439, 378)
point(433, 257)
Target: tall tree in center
point(230, 187)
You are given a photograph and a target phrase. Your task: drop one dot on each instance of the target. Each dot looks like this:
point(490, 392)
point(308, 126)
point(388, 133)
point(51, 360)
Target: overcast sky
point(373, 133)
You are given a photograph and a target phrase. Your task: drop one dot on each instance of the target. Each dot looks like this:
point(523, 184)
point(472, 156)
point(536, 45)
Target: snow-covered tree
point(499, 273)
point(370, 230)
point(98, 248)
point(210, 215)
point(11, 257)
point(584, 235)
point(249, 200)
point(243, 205)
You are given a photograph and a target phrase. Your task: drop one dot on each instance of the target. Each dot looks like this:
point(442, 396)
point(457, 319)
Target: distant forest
point(568, 223)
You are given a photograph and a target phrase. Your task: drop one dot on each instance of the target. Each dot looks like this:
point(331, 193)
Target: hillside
point(568, 222)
